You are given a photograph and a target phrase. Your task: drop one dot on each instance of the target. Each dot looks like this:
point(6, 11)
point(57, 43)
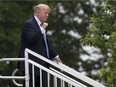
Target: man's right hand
point(45, 25)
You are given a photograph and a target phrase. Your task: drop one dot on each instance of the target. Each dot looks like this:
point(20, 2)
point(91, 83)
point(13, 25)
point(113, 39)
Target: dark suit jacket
point(32, 38)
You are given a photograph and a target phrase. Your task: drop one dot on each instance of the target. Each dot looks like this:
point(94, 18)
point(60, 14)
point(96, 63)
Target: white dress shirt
point(42, 30)
point(39, 23)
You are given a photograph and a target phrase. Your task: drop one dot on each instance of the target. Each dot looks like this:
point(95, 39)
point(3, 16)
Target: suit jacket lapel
point(36, 24)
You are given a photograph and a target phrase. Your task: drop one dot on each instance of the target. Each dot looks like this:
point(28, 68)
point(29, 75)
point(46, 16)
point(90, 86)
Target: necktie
point(46, 44)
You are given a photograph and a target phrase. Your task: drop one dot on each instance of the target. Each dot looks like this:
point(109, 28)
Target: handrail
point(52, 71)
point(81, 76)
point(12, 59)
point(56, 74)
point(66, 77)
point(14, 81)
point(23, 77)
point(70, 71)
point(12, 77)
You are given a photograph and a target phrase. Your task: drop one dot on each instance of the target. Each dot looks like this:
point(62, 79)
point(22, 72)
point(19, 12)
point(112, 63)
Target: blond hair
point(40, 6)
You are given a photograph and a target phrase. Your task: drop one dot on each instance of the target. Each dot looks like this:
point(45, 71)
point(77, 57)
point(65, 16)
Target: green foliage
point(103, 35)
point(63, 25)
point(11, 17)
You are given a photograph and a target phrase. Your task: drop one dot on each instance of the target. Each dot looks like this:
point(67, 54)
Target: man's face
point(43, 14)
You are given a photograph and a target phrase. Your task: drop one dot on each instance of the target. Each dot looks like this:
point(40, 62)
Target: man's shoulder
point(31, 22)
point(30, 19)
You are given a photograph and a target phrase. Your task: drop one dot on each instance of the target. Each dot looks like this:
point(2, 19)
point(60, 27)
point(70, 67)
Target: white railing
point(51, 72)
point(56, 74)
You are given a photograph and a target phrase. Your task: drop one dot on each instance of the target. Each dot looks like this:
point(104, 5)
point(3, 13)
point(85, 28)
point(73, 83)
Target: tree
point(68, 22)
point(103, 35)
point(12, 15)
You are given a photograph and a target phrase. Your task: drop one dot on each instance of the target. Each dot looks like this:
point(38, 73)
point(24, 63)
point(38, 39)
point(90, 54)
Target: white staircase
point(59, 75)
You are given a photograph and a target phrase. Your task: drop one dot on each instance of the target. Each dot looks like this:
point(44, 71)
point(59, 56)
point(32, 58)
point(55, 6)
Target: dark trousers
point(37, 80)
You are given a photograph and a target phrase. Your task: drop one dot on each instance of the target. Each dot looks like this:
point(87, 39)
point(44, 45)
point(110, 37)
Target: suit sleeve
point(30, 34)
point(52, 52)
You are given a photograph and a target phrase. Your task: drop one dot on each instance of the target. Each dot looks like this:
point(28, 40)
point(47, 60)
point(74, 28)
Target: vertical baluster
point(55, 81)
point(33, 75)
point(69, 85)
point(48, 79)
point(26, 70)
point(62, 83)
point(40, 78)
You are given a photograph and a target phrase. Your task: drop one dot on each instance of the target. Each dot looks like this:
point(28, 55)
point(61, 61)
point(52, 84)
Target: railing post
point(55, 81)
point(26, 69)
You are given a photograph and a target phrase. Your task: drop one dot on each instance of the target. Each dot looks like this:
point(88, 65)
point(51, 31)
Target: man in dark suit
point(33, 37)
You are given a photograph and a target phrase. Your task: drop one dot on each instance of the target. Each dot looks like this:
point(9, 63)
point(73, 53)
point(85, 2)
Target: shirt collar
point(38, 21)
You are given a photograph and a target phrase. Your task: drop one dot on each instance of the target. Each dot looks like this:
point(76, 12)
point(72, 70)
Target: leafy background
point(69, 22)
